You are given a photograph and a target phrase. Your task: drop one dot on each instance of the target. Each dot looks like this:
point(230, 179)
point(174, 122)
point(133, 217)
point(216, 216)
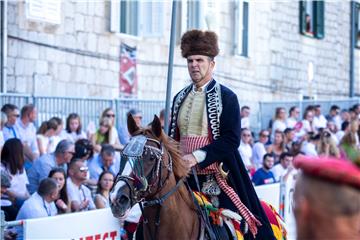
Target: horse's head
point(148, 166)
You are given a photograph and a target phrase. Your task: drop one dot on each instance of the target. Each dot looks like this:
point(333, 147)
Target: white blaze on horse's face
point(126, 172)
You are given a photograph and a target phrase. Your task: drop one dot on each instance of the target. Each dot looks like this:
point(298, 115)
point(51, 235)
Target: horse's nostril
point(123, 200)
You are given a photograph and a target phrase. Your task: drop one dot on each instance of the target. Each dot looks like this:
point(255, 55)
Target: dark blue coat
point(224, 148)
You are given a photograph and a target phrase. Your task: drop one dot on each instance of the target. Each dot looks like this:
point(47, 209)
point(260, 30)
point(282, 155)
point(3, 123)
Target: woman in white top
point(105, 183)
point(73, 129)
point(45, 132)
point(279, 122)
point(12, 161)
point(245, 149)
point(308, 122)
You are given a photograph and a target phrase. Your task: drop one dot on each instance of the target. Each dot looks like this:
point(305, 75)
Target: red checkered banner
point(128, 76)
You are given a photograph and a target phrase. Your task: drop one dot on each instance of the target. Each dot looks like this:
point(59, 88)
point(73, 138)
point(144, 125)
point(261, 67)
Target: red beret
point(335, 170)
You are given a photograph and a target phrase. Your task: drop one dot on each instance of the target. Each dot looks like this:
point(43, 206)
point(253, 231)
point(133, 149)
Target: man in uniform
point(206, 121)
point(327, 199)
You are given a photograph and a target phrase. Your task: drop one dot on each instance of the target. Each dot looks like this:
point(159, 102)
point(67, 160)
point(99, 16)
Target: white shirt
point(18, 182)
point(27, 135)
point(36, 207)
point(319, 122)
point(339, 135)
point(309, 149)
point(291, 122)
point(277, 125)
point(79, 194)
point(245, 153)
point(258, 153)
point(278, 171)
point(337, 120)
point(54, 141)
point(245, 122)
point(45, 141)
point(2, 141)
point(73, 136)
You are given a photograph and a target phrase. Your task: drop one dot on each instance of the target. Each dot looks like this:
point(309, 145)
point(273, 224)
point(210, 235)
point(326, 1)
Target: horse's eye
point(152, 158)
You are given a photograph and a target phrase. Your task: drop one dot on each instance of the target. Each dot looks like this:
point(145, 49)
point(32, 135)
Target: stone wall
point(79, 57)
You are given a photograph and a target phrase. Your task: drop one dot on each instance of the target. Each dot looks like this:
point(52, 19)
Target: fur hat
point(197, 42)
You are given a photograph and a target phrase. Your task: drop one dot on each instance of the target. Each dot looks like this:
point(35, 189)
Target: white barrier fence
point(92, 225)
point(280, 196)
point(101, 225)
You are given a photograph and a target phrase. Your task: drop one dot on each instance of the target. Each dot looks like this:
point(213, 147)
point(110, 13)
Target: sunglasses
point(263, 135)
point(104, 125)
point(110, 115)
point(16, 115)
point(246, 135)
point(83, 169)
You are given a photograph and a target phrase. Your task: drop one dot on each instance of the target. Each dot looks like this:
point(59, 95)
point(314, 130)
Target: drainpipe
point(352, 49)
point(170, 65)
point(3, 48)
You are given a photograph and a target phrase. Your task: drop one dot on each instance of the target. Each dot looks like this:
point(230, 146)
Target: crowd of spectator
point(57, 169)
point(269, 158)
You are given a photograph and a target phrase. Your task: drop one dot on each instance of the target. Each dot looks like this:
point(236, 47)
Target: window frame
point(242, 20)
point(135, 18)
point(129, 20)
point(317, 20)
point(357, 25)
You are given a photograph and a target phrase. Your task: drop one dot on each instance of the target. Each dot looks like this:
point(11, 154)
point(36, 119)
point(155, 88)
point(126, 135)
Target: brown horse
point(157, 181)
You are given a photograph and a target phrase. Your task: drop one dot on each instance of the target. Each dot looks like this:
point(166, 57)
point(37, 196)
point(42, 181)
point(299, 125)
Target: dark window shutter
point(302, 14)
point(319, 10)
point(245, 42)
point(357, 25)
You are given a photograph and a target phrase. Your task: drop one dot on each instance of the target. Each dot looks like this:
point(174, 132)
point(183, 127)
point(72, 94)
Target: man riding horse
point(206, 121)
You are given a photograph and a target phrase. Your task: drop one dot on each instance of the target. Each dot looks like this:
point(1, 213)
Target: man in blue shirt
point(40, 169)
point(12, 113)
point(106, 160)
point(263, 175)
point(41, 203)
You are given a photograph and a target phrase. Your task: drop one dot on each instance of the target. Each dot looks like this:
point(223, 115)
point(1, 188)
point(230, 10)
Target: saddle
point(225, 224)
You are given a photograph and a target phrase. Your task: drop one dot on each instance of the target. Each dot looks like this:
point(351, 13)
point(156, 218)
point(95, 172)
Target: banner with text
point(91, 225)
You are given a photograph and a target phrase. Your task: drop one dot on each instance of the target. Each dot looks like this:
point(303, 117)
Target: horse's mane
point(179, 168)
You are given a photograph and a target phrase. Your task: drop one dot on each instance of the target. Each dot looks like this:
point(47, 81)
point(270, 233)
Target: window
point(195, 14)
point(129, 12)
point(357, 25)
point(44, 10)
point(312, 18)
point(137, 18)
point(241, 27)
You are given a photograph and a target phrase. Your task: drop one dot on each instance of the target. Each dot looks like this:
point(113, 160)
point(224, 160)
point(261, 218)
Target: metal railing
point(89, 109)
point(267, 109)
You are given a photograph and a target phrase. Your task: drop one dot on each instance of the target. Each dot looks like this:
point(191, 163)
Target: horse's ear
point(131, 124)
point(156, 126)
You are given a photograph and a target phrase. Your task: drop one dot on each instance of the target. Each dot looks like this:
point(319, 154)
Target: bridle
point(134, 153)
point(141, 191)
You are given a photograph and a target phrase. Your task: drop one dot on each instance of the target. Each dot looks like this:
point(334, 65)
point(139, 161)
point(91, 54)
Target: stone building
point(269, 50)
